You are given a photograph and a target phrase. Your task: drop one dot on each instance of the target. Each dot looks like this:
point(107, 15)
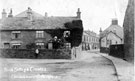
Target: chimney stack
point(78, 13)
point(46, 15)
point(4, 14)
point(10, 14)
point(114, 22)
point(100, 30)
point(29, 13)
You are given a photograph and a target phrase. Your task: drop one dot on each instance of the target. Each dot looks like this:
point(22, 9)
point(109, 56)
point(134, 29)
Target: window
point(110, 42)
point(6, 45)
point(40, 45)
point(39, 34)
point(84, 38)
point(66, 33)
point(16, 34)
point(87, 39)
point(68, 45)
point(16, 45)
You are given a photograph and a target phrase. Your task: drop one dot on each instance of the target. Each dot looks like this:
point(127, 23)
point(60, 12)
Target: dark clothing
point(36, 55)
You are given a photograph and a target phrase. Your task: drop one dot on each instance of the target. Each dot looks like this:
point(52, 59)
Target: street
point(91, 67)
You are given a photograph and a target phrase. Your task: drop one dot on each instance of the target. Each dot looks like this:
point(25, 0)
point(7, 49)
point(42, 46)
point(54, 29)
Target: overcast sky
point(95, 13)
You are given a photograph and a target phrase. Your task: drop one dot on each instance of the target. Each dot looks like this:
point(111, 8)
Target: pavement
point(124, 69)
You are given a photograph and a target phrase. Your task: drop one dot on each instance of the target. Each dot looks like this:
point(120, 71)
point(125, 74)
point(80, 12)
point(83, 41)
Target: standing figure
point(36, 53)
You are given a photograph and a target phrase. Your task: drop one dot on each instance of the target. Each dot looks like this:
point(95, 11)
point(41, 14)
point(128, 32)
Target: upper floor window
point(66, 33)
point(84, 38)
point(39, 34)
point(16, 34)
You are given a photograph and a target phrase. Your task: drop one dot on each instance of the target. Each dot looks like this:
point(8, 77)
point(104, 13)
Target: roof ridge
point(24, 14)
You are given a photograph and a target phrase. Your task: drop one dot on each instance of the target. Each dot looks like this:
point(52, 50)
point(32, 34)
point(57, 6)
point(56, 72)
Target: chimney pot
point(114, 22)
point(46, 14)
point(4, 14)
point(10, 14)
point(78, 13)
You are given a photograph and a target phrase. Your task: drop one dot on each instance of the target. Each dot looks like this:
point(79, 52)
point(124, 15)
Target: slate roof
point(24, 14)
point(21, 21)
point(111, 32)
point(111, 28)
point(91, 33)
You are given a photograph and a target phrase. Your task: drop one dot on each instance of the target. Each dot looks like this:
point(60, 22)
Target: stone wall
point(129, 32)
point(104, 50)
point(30, 54)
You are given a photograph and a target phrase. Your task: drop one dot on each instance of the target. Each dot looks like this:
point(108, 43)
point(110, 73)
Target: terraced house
point(90, 40)
point(28, 28)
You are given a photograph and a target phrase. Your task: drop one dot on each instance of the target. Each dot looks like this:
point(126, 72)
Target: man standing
point(36, 53)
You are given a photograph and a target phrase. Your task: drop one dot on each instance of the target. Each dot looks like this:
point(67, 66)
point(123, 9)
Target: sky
point(95, 14)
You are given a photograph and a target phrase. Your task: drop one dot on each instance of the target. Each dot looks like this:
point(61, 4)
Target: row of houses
point(29, 27)
point(30, 30)
point(90, 40)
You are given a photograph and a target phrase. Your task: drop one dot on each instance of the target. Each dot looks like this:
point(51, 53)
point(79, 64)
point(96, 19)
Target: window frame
point(39, 34)
point(7, 46)
point(16, 34)
point(16, 45)
point(40, 45)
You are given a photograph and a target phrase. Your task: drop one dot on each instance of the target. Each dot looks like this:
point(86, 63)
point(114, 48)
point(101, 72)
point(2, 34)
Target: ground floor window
point(16, 45)
point(6, 45)
point(40, 45)
point(68, 45)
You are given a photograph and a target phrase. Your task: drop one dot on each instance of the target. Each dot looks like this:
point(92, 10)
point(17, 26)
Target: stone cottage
point(21, 34)
point(113, 35)
point(29, 27)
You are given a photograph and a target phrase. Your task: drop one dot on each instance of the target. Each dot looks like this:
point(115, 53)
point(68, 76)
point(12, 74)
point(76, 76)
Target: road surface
point(91, 67)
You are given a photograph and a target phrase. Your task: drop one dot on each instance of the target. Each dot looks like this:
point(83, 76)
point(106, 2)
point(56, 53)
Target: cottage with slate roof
point(29, 27)
point(111, 36)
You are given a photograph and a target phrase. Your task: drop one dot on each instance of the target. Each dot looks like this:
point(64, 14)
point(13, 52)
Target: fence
point(30, 54)
point(117, 50)
point(104, 50)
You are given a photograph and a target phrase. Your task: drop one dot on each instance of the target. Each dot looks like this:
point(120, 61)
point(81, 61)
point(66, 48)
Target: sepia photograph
point(67, 40)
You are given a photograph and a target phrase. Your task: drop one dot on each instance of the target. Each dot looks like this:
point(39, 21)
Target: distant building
point(113, 35)
point(29, 27)
point(90, 40)
point(129, 32)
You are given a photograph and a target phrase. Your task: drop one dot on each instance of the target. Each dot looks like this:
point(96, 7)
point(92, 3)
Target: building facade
point(90, 40)
point(29, 29)
point(129, 32)
point(113, 35)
